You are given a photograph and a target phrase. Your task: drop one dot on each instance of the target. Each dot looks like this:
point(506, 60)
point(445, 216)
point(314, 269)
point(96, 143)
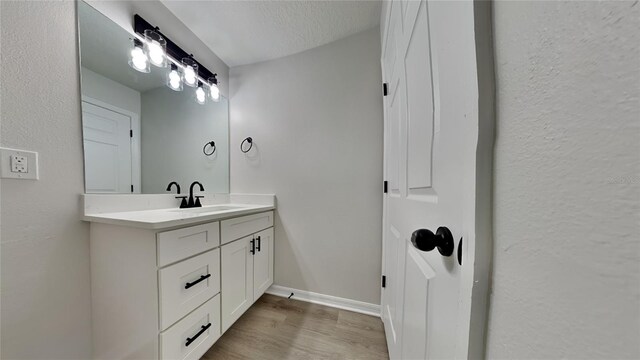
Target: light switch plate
point(18, 164)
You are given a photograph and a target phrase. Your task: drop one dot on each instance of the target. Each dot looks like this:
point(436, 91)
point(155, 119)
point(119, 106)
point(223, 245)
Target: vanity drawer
point(186, 285)
point(204, 321)
point(233, 229)
point(179, 244)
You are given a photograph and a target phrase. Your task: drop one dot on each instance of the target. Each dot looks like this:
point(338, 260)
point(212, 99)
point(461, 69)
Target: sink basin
point(209, 209)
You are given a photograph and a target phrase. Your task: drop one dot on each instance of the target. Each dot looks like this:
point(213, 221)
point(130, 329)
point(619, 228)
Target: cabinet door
point(263, 262)
point(237, 280)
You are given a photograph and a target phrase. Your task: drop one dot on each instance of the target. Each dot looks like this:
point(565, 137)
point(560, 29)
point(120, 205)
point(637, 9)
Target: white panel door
point(262, 262)
point(392, 261)
point(237, 279)
point(107, 150)
point(436, 179)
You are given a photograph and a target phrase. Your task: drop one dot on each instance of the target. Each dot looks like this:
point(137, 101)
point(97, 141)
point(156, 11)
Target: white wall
point(566, 275)
point(174, 131)
point(104, 89)
point(316, 121)
point(45, 250)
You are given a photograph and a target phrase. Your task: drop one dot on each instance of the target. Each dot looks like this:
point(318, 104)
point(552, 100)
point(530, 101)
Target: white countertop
point(166, 218)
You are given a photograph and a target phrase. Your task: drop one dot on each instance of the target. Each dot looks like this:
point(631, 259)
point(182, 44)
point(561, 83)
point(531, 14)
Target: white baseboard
point(327, 300)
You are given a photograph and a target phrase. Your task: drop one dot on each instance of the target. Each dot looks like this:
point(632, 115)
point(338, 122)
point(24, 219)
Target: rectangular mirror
point(139, 135)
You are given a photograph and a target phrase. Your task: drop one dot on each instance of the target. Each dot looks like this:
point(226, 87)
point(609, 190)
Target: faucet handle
point(183, 204)
point(198, 204)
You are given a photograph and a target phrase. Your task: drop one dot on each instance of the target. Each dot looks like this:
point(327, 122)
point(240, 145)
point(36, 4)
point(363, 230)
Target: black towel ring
point(248, 140)
point(213, 147)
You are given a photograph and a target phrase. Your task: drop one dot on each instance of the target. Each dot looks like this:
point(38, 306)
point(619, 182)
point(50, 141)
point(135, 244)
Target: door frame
point(475, 278)
point(136, 152)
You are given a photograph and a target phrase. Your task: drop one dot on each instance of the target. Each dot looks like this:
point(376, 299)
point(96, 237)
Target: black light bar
point(173, 50)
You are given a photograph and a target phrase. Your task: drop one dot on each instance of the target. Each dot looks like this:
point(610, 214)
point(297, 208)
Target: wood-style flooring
point(280, 328)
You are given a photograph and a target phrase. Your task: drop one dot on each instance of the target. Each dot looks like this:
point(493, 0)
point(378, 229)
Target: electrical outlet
point(18, 164)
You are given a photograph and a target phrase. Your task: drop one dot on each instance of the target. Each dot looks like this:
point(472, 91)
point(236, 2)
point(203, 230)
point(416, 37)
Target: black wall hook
point(248, 140)
point(213, 148)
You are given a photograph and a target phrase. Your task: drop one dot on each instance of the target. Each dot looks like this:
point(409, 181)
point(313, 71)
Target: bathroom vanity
point(166, 283)
point(168, 277)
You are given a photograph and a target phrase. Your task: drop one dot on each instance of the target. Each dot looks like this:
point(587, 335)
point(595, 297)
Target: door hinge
point(131, 188)
point(385, 186)
point(385, 89)
point(130, 133)
point(384, 281)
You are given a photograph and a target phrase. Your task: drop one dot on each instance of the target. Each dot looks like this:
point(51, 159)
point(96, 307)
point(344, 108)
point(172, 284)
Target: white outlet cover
point(6, 156)
point(19, 164)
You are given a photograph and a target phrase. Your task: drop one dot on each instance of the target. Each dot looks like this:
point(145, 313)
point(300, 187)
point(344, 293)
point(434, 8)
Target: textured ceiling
point(245, 32)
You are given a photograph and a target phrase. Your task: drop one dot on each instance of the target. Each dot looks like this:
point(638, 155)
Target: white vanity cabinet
point(161, 293)
point(247, 263)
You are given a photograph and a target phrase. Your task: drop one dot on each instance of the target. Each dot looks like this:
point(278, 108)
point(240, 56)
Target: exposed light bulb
point(215, 93)
point(174, 79)
point(200, 94)
point(139, 59)
point(156, 53)
point(190, 72)
point(189, 76)
point(156, 47)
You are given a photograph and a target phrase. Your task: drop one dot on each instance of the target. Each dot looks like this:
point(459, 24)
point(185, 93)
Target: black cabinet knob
point(426, 240)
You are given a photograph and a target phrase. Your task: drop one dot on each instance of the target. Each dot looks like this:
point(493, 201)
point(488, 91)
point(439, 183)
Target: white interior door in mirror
point(107, 149)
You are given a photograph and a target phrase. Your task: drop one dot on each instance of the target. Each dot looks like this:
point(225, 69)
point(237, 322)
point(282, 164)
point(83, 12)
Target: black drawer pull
point(258, 243)
point(253, 247)
point(202, 278)
point(202, 329)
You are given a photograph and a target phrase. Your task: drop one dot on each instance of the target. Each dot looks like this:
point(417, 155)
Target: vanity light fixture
point(137, 57)
point(201, 96)
point(190, 71)
point(174, 79)
point(156, 47)
point(161, 51)
point(214, 91)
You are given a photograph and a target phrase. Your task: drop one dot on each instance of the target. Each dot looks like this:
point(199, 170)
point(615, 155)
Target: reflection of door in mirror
point(107, 148)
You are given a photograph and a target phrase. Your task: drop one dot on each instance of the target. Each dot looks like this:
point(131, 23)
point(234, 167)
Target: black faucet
point(191, 202)
point(183, 204)
point(176, 184)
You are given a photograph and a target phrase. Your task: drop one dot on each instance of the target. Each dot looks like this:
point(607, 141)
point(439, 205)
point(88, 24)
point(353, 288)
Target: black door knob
point(425, 240)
